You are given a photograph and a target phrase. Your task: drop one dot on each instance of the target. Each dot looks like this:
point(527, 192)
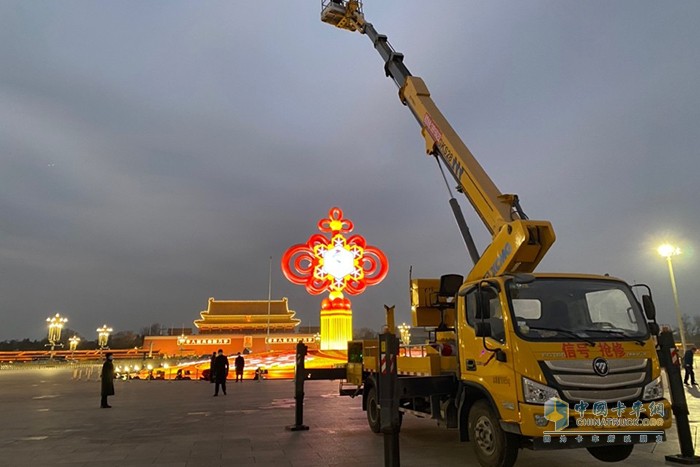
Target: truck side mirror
point(483, 310)
point(653, 328)
point(649, 308)
point(483, 329)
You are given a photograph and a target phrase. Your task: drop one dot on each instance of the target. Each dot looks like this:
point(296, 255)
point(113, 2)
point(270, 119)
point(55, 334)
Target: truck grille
point(576, 380)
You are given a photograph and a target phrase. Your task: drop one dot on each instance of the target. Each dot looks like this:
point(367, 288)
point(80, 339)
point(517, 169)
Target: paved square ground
point(50, 419)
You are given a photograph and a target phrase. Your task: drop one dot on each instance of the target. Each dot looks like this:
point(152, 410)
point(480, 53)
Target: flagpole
point(269, 298)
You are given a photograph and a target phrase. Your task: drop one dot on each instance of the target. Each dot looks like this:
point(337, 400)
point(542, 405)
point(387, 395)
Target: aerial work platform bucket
point(345, 14)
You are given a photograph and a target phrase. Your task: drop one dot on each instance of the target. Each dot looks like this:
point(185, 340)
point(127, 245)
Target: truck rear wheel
point(493, 446)
point(375, 424)
point(611, 453)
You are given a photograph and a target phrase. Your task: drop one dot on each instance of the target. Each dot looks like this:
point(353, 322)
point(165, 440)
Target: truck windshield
point(559, 309)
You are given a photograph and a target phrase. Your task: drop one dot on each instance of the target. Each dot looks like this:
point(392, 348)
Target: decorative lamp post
point(55, 326)
point(73, 344)
point(103, 336)
point(335, 265)
point(405, 333)
point(667, 251)
point(181, 340)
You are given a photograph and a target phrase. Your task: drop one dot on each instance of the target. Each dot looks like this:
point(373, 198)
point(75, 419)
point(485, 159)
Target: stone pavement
point(48, 418)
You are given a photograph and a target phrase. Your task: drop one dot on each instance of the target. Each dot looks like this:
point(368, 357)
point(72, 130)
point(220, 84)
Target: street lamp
point(55, 326)
point(73, 344)
point(667, 251)
point(405, 333)
point(181, 342)
point(103, 336)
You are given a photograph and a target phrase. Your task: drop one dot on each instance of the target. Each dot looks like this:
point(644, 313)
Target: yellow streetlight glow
point(181, 341)
point(668, 251)
point(405, 333)
point(73, 342)
point(103, 336)
point(55, 326)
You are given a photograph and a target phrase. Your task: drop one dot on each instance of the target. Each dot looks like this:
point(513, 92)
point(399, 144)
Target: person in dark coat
point(211, 367)
point(688, 365)
point(240, 364)
point(220, 372)
point(107, 380)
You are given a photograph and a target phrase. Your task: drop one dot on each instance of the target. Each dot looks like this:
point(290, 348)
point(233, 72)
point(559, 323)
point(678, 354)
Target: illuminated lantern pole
point(335, 265)
point(73, 343)
point(103, 336)
point(667, 251)
point(405, 333)
point(55, 327)
point(181, 341)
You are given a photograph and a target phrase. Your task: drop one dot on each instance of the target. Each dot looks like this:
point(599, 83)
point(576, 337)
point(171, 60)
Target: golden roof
point(247, 315)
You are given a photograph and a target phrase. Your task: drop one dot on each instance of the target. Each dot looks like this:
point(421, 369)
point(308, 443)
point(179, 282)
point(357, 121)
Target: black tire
point(611, 453)
point(493, 446)
point(375, 423)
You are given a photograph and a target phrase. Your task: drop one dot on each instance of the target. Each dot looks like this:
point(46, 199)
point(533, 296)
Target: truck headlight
point(536, 393)
point(653, 390)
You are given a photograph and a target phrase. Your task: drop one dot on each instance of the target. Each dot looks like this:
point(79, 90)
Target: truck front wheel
point(611, 453)
point(373, 420)
point(493, 446)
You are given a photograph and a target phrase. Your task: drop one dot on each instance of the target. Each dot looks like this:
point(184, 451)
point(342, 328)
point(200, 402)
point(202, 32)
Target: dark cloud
point(155, 154)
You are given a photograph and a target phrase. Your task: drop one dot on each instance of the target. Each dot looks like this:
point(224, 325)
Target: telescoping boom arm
point(518, 243)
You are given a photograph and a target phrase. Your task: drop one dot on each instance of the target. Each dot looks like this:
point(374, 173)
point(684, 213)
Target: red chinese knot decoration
point(336, 264)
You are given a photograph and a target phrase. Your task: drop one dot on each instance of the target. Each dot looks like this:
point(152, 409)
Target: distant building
point(247, 317)
point(236, 326)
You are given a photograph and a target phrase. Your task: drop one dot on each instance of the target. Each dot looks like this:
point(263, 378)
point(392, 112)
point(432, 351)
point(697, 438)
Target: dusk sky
point(154, 154)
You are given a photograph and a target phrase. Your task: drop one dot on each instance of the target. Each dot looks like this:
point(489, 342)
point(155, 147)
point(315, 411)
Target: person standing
point(107, 380)
point(240, 364)
point(220, 372)
point(211, 367)
point(688, 365)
